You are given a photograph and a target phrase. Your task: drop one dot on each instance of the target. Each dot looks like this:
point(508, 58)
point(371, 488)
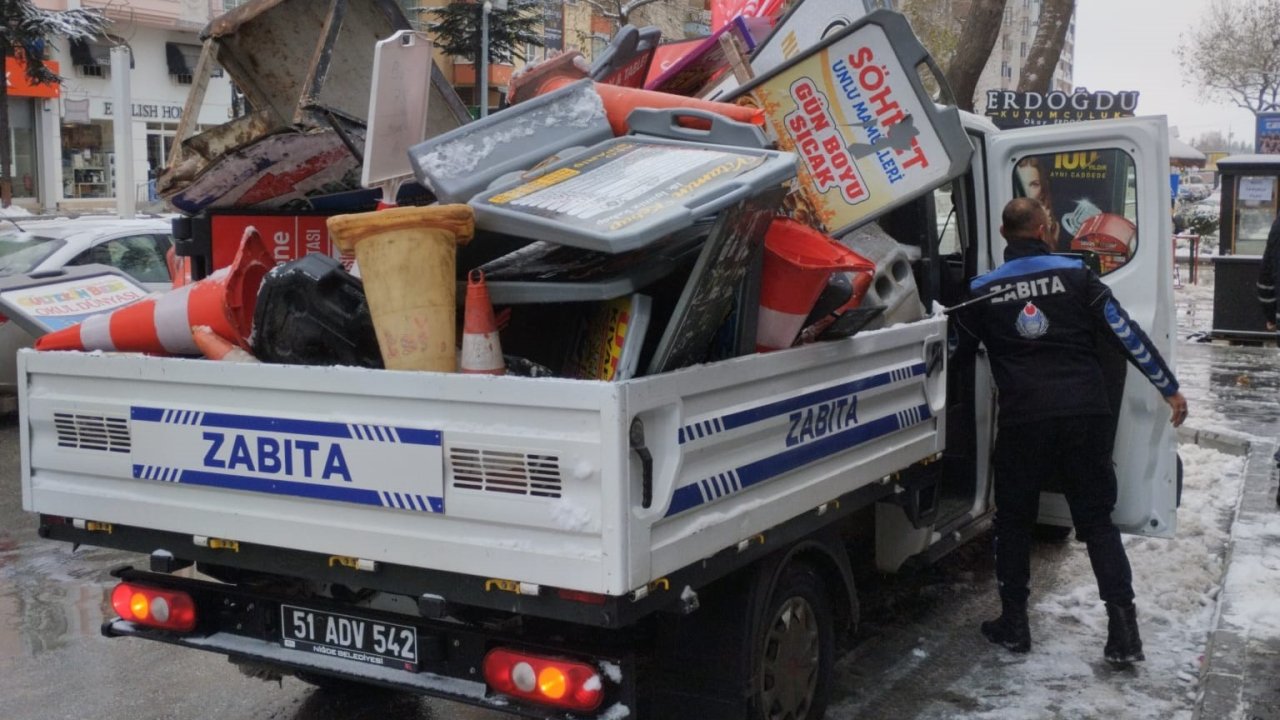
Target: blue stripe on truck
point(713, 426)
point(691, 496)
point(318, 428)
point(229, 481)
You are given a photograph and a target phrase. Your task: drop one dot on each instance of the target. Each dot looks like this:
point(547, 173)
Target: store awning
point(183, 59)
point(96, 53)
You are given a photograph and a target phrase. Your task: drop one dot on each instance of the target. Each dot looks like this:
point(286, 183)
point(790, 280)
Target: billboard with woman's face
point(1090, 197)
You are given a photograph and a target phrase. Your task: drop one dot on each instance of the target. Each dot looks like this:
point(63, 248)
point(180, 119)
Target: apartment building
point(1017, 33)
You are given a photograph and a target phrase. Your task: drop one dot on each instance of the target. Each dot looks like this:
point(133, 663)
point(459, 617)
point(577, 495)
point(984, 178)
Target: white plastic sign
point(57, 305)
point(397, 109)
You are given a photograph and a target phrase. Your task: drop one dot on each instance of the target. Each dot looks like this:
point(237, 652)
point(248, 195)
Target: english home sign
point(1012, 109)
point(149, 111)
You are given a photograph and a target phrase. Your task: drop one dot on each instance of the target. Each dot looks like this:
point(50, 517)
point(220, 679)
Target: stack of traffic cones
point(481, 348)
point(224, 302)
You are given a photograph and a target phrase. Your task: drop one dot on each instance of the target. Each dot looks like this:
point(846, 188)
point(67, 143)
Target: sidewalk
point(1241, 674)
point(1234, 393)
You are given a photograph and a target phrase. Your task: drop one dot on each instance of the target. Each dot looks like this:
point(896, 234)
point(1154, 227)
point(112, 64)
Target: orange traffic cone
point(619, 101)
point(481, 349)
point(179, 268)
point(224, 301)
point(215, 347)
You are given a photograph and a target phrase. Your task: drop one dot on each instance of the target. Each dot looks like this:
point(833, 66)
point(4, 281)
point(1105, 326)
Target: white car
point(136, 247)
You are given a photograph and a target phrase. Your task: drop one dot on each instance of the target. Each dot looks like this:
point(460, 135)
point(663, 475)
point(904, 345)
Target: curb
point(1224, 675)
point(1223, 441)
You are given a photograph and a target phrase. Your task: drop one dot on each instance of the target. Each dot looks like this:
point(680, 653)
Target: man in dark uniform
point(1269, 275)
point(1041, 330)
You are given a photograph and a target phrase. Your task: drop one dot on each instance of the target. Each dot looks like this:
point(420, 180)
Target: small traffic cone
point(224, 301)
point(481, 348)
point(619, 101)
point(179, 268)
point(215, 347)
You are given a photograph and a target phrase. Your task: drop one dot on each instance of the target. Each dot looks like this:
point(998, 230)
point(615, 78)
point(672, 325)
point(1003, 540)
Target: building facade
point(1017, 33)
point(64, 137)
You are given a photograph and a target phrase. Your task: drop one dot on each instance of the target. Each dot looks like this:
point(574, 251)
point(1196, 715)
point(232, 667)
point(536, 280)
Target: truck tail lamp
point(153, 607)
point(543, 680)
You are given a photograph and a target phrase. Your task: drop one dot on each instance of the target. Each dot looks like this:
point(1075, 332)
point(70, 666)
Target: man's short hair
point(1022, 216)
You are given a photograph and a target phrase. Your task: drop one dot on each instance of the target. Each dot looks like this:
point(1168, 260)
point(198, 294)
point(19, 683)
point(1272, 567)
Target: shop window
point(141, 256)
point(88, 160)
point(1091, 196)
point(1256, 209)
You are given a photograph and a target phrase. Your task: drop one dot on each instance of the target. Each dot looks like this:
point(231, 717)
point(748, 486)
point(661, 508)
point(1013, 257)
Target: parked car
point(1193, 191)
point(136, 247)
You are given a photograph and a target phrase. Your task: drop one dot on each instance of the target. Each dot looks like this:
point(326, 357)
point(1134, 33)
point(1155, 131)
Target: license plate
point(349, 638)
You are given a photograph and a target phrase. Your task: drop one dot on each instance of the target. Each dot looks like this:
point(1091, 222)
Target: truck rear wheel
point(796, 648)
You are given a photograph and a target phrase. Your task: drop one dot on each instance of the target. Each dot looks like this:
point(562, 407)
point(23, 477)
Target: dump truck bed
point(540, 481)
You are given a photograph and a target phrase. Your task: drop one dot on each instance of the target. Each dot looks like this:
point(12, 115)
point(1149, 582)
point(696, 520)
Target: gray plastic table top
point(626, 193)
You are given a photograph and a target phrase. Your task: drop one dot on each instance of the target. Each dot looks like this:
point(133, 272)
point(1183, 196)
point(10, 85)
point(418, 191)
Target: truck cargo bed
point(538, 481)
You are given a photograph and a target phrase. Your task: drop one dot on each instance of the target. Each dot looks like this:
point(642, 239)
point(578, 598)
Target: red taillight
point(547, 681)
point(3, 319)
point(165, 609)
point(581, 596)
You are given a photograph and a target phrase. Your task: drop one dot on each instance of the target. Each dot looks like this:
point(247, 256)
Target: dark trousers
point(1079, 450)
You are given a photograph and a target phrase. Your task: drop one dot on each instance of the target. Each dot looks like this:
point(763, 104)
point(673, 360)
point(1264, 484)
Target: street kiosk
point(1249, 206)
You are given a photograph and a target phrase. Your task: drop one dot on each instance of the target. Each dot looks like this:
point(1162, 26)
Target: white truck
point(670, 546)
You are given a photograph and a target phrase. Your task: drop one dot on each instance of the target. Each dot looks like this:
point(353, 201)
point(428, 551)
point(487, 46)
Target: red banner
point(15, 72)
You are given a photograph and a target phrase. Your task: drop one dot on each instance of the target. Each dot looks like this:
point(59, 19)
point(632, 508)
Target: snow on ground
point(1177, 581)
point(14, 211)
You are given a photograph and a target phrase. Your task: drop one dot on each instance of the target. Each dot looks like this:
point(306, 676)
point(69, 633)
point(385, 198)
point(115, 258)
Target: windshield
point(21, 252)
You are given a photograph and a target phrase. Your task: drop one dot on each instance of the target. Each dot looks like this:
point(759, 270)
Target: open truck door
point(1107, 184)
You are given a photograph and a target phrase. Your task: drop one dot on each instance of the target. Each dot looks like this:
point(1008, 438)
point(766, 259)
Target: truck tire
point(795, 648)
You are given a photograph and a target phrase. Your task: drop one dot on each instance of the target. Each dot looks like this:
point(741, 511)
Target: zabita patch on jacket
point(1027, 289)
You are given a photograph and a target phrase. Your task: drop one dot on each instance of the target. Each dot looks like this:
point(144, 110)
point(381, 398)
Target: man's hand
point(1271, 325)
point(1178, 404)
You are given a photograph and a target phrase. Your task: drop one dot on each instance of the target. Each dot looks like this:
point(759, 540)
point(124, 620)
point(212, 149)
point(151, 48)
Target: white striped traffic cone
point(224, 301)
point(481, 348)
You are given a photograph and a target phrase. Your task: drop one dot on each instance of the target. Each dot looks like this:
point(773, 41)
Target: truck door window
point(1255, 211)
point(1091, 196)
point(948, 222)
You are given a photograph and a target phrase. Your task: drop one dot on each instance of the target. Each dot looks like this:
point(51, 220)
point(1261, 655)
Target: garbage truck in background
point(678, 544)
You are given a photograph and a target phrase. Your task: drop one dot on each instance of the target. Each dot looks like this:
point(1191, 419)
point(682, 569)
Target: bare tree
point(25, 32)
point(1046, 49)
point(978, 36)
point(934, 23)
point(1231, 53)
point(619, 11)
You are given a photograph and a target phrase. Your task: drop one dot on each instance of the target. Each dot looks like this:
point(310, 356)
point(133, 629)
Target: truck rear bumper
point(245, 625)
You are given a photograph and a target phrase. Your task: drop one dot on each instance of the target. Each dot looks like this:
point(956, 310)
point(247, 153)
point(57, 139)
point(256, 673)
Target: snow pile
point(14, 211)
point(1254, 577)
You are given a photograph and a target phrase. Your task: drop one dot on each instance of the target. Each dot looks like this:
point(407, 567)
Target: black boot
point(1124, 646)
point(1011, 628)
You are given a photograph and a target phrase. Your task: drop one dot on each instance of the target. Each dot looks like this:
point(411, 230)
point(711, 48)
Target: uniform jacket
point(1269, 273)
point(1041, 330)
